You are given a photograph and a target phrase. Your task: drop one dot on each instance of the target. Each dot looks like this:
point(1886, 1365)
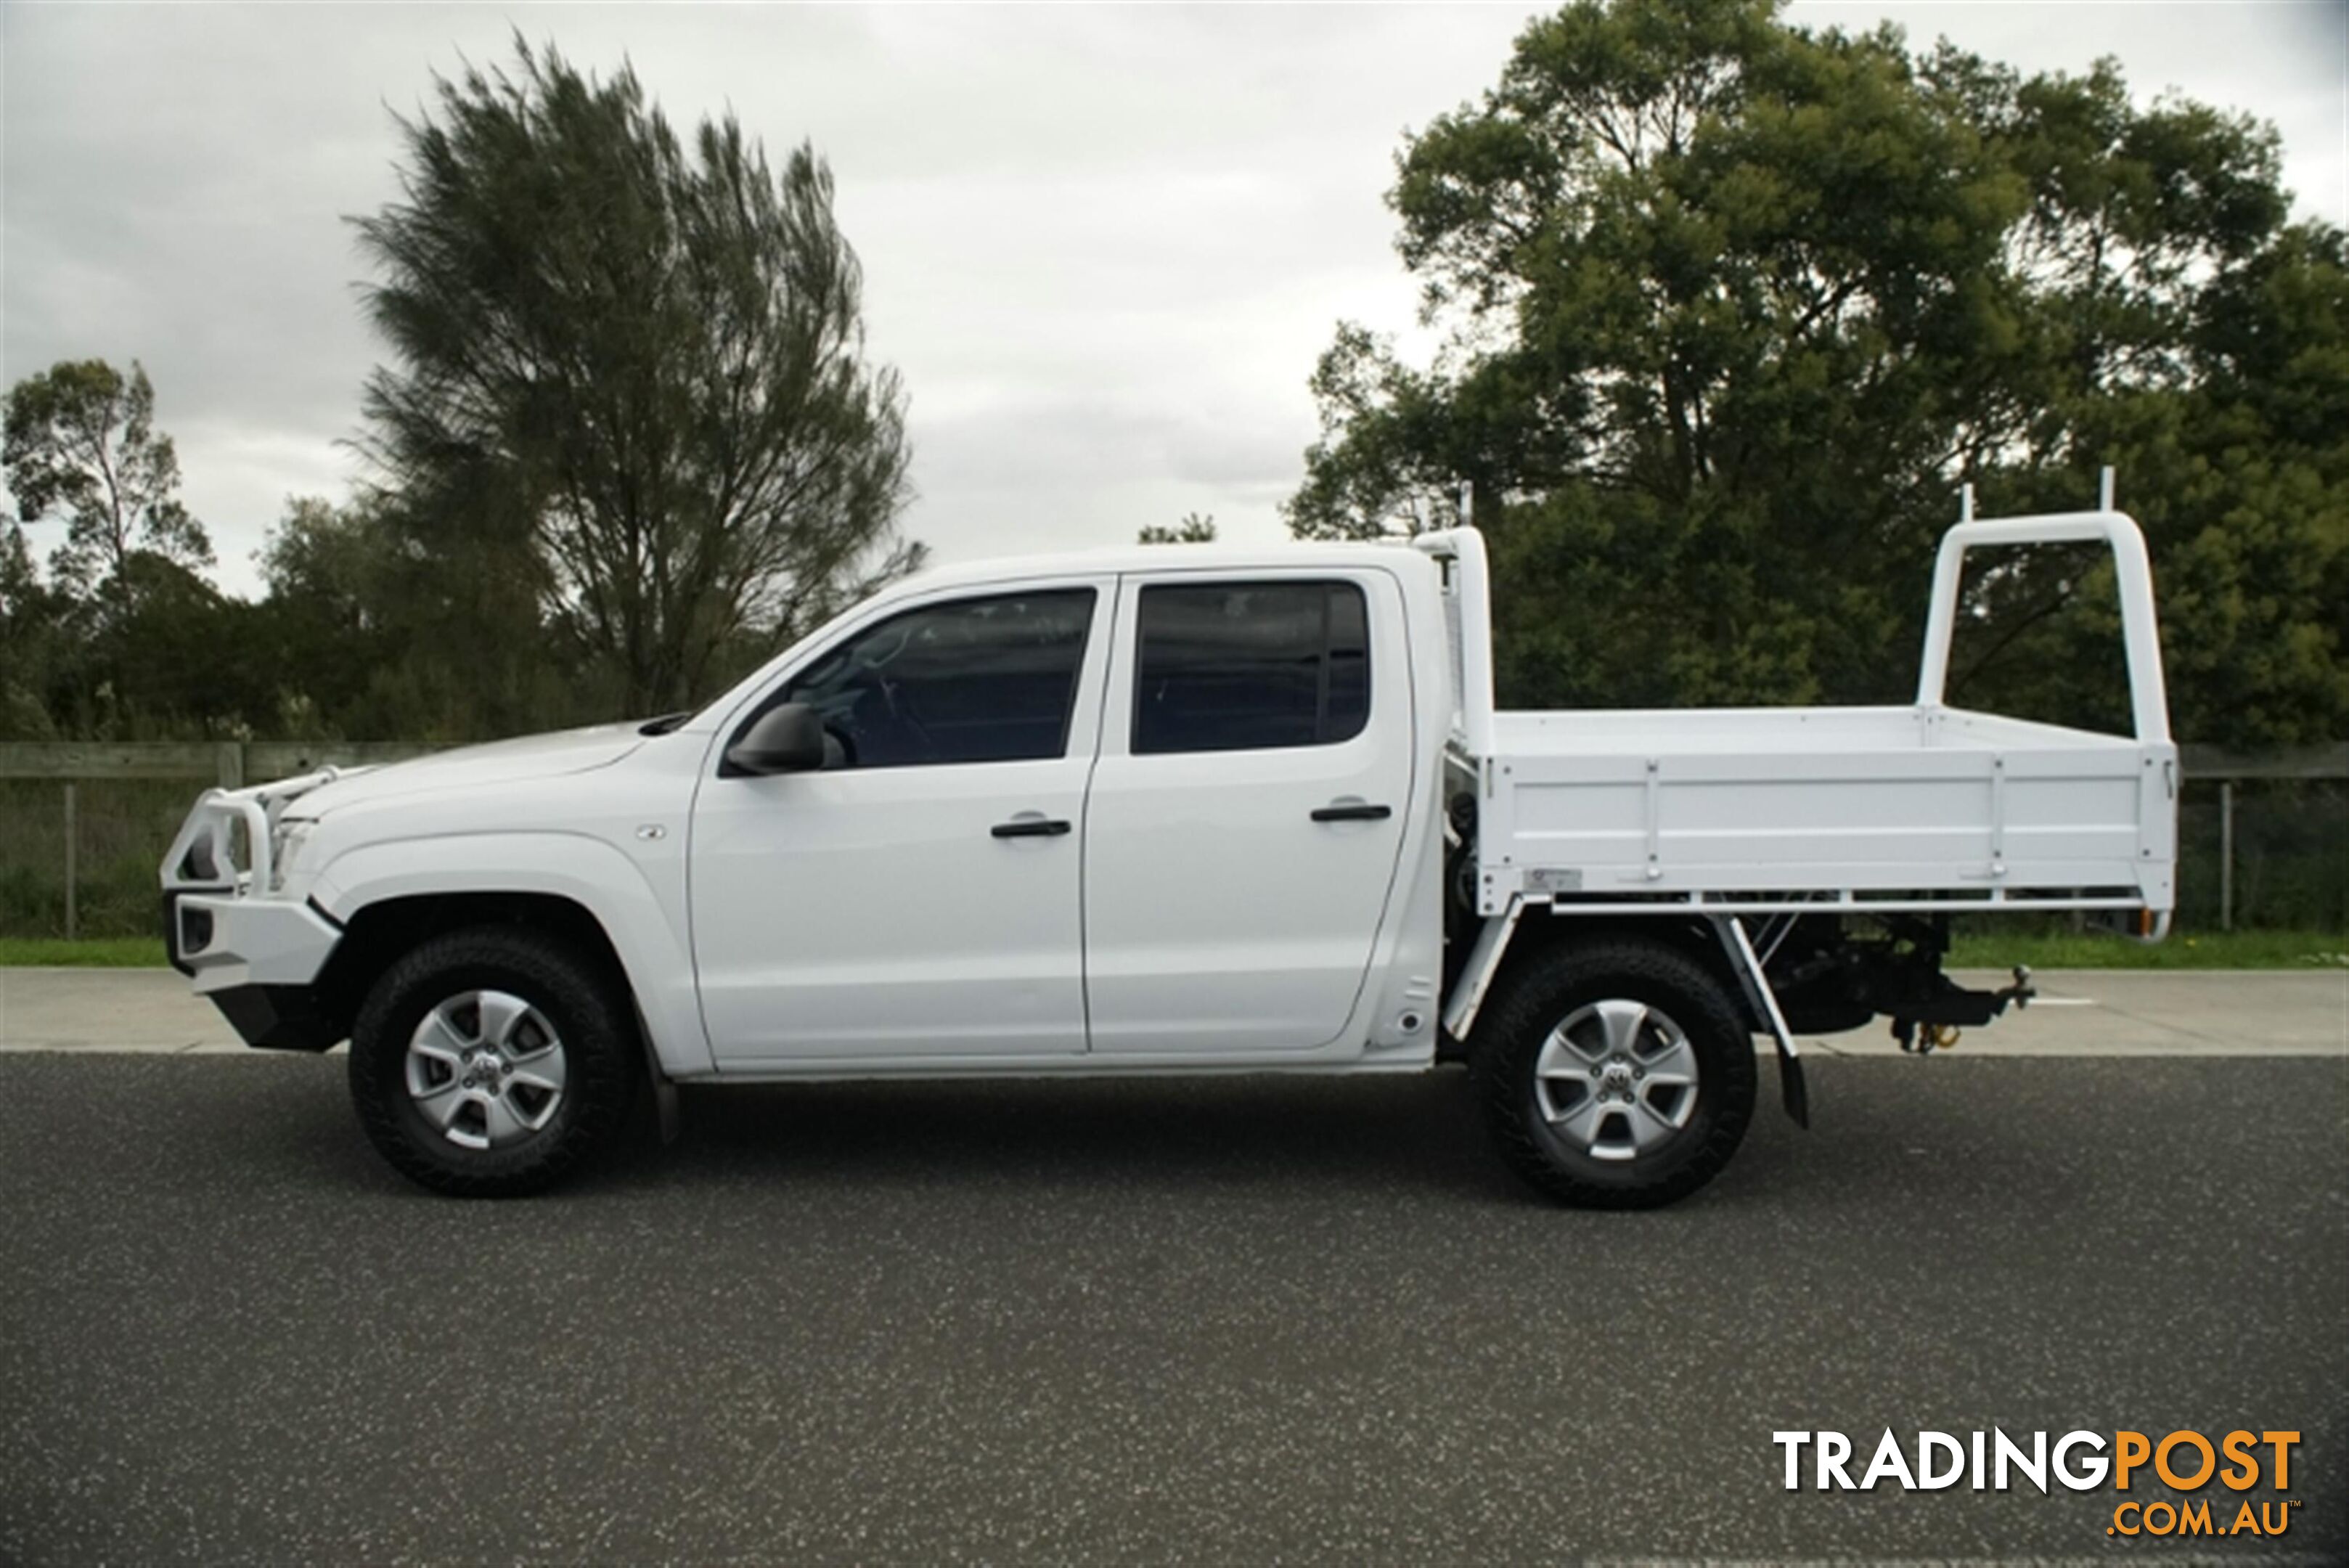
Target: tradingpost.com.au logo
point(2185, 1461)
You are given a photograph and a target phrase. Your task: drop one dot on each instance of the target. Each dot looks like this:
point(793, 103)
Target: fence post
point(232, 764)
point(2225, 854)
point(73, 912)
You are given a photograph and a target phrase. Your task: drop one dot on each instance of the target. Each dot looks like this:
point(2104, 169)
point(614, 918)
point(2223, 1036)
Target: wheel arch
point(1542, 938)
point(391, 897)
point(377, 935)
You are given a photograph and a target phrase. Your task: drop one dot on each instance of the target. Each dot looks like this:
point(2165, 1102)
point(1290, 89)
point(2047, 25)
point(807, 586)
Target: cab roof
point(1280, 556)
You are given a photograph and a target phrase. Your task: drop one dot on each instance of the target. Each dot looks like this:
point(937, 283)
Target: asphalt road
point(1217, 1321)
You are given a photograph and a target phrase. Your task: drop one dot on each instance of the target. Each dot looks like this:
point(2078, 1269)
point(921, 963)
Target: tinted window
point(1227, 666)
point(975, 680)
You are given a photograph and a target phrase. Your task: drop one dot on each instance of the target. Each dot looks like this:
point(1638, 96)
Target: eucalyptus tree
point(124, 638)
point(82, 449)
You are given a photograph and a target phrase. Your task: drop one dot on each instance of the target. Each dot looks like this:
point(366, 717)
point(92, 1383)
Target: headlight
point(285, 841)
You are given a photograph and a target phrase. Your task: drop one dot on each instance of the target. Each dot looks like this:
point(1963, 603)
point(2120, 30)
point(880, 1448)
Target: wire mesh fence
point(2289, 864)
point(84, 825)
point(118, 834)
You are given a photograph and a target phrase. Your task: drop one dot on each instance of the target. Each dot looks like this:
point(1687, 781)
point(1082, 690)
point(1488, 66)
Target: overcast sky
point(1104, 245)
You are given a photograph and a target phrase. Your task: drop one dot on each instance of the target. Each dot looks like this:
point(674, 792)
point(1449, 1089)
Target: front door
point(919, 897)
point(1247, 809)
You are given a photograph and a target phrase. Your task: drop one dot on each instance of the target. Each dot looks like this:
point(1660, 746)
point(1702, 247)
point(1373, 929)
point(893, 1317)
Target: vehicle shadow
point(1413, 1138)
point(1369, 1136)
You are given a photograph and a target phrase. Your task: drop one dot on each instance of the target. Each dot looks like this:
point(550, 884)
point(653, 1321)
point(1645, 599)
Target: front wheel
point(492, 1063)
point(1616, 1074)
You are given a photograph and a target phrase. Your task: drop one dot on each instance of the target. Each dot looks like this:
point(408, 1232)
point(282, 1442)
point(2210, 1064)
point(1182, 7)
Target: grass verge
point(93, 952)
point(2191, 950)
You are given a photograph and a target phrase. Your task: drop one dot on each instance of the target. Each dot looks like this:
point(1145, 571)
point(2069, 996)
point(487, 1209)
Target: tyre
point(1615, 1074)
point(492, 1063)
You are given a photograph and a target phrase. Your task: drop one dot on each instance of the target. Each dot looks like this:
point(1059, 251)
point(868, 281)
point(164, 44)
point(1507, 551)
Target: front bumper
point(222, 940)
point(279, 1017)
point(254, 955)
point(255, 960)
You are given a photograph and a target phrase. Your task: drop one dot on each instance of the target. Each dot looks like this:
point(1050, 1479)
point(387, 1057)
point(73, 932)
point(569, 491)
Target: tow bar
point(1936, 1024)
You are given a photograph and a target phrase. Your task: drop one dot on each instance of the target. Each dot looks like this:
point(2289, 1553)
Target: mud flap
point(664, 1108)
point(1794, 1093)
point(1797, 1094)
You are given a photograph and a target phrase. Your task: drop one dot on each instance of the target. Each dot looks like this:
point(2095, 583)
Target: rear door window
point(1227, 666)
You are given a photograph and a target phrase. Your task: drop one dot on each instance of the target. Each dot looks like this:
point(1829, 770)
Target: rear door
point(1246, 810)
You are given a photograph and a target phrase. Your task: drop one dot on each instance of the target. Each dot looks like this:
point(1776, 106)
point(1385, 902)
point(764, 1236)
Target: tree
point(390, 625)
point(28, 651)
point(1193, 530)
point(132, 639)
point(81, 444)
point(341, 621)
point(631, 373)
point(1732, 308)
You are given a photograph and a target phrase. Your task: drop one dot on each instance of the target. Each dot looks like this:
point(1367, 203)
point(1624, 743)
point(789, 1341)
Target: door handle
point(1030, 827)
point(1352, 813)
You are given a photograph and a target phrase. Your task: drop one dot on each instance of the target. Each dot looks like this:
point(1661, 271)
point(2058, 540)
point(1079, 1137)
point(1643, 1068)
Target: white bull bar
point(212, 823)
point(221, 927)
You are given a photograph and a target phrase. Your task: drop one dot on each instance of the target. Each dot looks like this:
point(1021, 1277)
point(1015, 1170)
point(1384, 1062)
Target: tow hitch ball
point(1938, 1024)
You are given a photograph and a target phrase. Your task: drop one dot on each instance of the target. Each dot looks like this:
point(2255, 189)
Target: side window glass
point(989, 680)
point(1227, 666)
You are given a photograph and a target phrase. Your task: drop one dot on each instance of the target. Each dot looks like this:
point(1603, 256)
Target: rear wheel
point(1616, 1074)
point(492, 1063)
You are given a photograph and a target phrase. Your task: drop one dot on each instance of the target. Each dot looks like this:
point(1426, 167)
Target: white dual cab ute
point(1167, 810)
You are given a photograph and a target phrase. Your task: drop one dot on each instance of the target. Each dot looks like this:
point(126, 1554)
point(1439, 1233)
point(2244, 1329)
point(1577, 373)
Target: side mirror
point(785, 740)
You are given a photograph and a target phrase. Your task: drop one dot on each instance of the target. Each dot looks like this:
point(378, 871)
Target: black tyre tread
point(1528, 1005)
point(590, 1011)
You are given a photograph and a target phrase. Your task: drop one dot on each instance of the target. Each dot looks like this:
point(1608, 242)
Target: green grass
point(93, 952)
point(2191, 950)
